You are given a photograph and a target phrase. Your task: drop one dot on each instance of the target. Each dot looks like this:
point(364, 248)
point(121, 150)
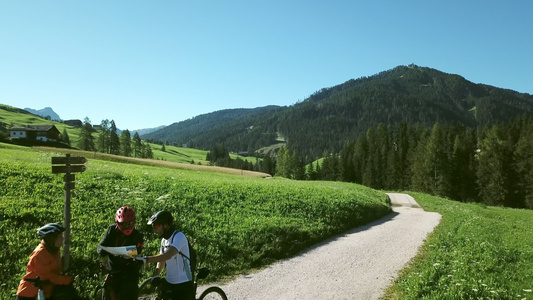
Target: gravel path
point(358, 264)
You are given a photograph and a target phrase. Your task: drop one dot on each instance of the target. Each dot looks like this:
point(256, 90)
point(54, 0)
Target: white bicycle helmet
point(50, 228)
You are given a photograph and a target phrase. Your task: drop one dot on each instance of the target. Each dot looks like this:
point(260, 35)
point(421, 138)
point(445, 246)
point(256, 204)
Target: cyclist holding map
point(123, 272)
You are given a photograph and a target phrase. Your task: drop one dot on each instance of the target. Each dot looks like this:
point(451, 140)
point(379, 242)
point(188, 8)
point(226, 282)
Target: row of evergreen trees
point(219, 156)
point(492, 164)
point(109, 141)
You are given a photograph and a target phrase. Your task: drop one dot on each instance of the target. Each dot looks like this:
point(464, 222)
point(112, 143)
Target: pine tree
point(282, 163)
point(289, 165)
point(146, 150)
point(268, 164)
point(406, 142)
point(310, 173)
point(330, 167)
point(393, 172)
point(114, 141)
point(494, 163)
point(422, 167)
point(137, 145)
point(360, 157)
point(463, 166)
point(347, 163)
point(523, 156)
point(103, 137)
point(86, 139)
point(65, 138)
point(374, 164)
point(125, 143)
point(219, 155)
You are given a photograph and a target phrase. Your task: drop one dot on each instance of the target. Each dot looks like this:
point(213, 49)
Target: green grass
point(237, 223)
point(476, 252)
point(178, 154)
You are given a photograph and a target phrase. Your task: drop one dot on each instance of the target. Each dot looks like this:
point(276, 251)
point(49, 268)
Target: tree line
point(491, 164)
point(109, 141)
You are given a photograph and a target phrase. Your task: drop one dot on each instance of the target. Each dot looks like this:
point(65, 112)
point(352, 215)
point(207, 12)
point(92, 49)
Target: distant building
point(74, 123)
point(243, 153)
point(44, 133)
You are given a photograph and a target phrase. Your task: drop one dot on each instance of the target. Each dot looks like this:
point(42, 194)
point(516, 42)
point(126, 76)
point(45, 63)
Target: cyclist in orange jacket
point(45, 263)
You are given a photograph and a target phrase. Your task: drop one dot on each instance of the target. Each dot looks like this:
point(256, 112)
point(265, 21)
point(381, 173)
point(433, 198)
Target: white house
point(44, 133)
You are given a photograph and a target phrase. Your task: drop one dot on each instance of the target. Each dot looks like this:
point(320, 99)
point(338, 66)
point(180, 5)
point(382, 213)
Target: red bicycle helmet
point(125, 214)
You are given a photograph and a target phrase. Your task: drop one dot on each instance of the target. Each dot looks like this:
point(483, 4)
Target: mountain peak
point(44, 112)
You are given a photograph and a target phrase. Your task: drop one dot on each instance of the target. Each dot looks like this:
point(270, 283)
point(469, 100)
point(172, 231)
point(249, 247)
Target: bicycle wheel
point(213, 293)
point(148, 291)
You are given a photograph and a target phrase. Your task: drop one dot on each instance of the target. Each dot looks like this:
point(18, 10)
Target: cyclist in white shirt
point(174, 254)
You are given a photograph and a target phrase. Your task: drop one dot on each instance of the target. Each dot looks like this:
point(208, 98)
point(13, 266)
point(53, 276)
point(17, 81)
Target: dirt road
point(358, 264)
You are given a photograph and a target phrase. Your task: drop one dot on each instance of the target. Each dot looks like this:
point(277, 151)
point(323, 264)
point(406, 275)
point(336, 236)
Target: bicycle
point(102, 291)
point(39, 283)
point(151, 290)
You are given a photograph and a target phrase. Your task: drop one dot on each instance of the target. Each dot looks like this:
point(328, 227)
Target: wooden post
point(69, 178)
point(66, 221)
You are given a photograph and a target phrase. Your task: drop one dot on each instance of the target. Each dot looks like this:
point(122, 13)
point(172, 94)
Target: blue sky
point(150, 63)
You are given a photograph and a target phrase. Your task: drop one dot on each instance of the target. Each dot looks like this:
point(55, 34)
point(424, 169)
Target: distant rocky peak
point(44, 112)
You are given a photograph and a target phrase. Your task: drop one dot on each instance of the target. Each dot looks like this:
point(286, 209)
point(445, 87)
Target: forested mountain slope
point(224, 126)
point(332, 116)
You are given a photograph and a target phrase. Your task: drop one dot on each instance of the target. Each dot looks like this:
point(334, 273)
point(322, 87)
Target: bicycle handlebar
point(36, 281)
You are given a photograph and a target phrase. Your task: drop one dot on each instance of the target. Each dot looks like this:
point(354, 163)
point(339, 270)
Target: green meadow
point(153, 162)
point(240, 223)
point(179, 154)
point(237, 223)
point(189, 155)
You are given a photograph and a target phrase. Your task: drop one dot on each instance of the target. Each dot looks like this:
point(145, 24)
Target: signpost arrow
point(75, 160)
point(68, 169)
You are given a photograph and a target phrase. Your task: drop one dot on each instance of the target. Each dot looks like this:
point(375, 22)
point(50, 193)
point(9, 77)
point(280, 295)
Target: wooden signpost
point(67, 165)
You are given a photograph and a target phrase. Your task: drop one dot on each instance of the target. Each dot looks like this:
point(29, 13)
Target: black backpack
point(191, 258)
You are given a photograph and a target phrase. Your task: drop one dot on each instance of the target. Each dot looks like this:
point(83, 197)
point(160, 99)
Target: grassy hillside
point(12, 116)
point(188, 155)
point(177, 154)
point(237, 223)
point(476, 252)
